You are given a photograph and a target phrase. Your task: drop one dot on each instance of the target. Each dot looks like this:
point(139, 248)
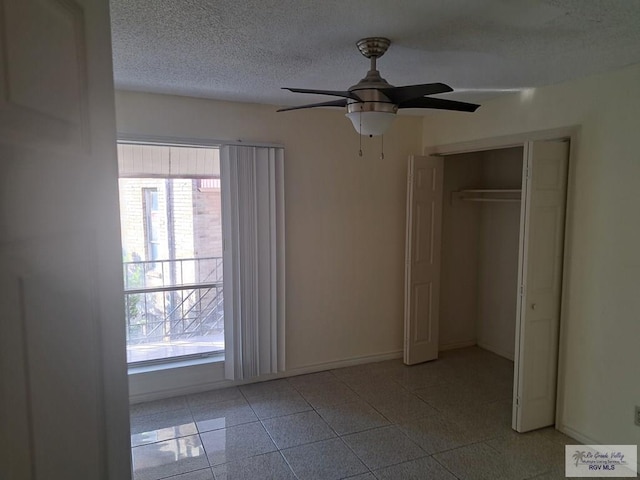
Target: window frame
point(181, 360)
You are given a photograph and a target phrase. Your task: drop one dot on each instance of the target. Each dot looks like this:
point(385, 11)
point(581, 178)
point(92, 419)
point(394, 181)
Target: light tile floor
point(443, 420)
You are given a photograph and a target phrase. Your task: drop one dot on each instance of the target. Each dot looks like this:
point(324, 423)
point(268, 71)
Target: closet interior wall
point(480, 249)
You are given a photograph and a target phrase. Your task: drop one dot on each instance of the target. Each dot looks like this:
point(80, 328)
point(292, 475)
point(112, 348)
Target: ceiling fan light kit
point(371, 123)
point(372, 103)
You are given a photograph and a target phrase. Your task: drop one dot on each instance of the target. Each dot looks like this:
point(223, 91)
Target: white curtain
point(253, 229)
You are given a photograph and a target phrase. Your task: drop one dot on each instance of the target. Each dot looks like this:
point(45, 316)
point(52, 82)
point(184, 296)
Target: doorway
point(480, 246)
point(492, 220)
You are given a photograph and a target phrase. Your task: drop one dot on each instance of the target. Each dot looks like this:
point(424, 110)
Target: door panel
point(542, 233)
point(63, 383)
point(422, 271)
point(422, 295)
point(53, 332)
point(56, 110)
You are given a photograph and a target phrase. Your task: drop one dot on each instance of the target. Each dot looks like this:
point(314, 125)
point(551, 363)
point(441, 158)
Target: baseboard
point(453, 346)
point(179, 391)
point(157, 394)
point(349, 362)
point(584, 439)
point(497, 351)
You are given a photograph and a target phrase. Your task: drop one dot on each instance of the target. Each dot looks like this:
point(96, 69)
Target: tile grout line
point(341, 437)
point(280, 451)
point(337, 436)
point(444, 466)
point(213, 476)
point(270, 436)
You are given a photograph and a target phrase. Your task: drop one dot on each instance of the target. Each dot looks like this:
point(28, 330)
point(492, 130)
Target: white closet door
point(422, 257)
point(542, 236)
point(63, 383)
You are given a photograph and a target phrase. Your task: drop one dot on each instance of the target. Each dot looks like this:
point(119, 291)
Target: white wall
point(345, 215)
point(601, 314)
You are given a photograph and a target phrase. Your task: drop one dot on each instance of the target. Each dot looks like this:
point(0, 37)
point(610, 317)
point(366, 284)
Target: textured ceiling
point(245, 50)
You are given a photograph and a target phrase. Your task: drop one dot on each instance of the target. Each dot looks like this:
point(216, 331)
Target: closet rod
point(490, 199)
point(490, 190)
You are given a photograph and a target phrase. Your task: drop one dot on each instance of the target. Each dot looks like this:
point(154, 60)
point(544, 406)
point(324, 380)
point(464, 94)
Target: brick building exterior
point(187, 221)
point(170, 209)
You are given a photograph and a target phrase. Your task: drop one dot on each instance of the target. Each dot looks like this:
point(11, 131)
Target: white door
point(422, 259)
point(63, 384)
point(540, 274)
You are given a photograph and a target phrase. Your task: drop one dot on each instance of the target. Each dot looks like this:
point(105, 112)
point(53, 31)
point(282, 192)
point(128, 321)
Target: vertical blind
point(253, 209)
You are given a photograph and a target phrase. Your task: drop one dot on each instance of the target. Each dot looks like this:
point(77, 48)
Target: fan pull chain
point(360, 130)
point(381, 147)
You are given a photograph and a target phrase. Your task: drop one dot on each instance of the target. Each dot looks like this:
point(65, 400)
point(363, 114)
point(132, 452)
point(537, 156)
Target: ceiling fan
point(372, 103)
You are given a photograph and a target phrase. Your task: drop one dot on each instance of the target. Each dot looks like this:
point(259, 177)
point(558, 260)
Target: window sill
point(178, 363)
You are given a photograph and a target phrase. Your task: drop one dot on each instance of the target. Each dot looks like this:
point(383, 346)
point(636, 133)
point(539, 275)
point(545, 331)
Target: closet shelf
point(497, 195)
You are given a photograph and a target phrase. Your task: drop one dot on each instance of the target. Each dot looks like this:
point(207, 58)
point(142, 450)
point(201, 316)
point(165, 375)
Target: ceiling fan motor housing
point(368, 89)
point(372, 99)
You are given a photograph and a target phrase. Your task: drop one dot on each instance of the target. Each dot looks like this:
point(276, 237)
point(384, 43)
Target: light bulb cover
point(371, 123)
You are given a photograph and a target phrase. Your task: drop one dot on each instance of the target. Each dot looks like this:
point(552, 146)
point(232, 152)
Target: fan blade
point(334, 103)
point(409, 92)
point(440, 104)
point(334, 93)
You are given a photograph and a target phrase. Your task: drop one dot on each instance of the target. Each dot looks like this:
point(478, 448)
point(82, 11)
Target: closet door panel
point(422, 275)
point(541, 280)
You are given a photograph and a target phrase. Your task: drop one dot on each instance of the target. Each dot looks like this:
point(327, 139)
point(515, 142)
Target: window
point(151, 222)
point(171, 222)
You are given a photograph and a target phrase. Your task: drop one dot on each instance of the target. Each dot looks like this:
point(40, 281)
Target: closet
point(479, 252)
point(484, 255)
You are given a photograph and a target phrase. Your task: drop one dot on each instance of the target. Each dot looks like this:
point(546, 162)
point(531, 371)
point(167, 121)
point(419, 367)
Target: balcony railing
point(169, 301)
point(166, 273)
